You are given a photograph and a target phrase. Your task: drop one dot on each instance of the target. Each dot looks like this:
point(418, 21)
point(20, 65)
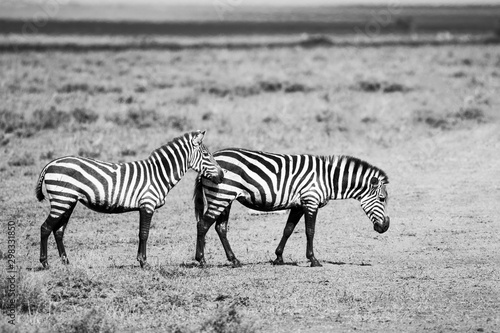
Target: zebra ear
point(198, 138)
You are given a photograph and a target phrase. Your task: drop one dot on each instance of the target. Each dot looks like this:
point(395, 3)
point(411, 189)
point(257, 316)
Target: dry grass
point(403, 109)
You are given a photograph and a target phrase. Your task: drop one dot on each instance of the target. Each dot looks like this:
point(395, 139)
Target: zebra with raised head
point(301, 183)
point(120, 187)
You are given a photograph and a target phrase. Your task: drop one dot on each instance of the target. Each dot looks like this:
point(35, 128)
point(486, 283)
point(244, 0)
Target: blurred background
point(249, 17)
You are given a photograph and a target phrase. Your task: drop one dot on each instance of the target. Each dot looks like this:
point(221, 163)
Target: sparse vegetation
point(30, 296)
point(25, 159)
point(84, 116)
point(49, 119)
point(375, 86)
point(93, 321)
point(427, 127)
point(227, 320)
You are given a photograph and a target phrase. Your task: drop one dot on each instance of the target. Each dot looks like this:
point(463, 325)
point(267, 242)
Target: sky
point(266, 2)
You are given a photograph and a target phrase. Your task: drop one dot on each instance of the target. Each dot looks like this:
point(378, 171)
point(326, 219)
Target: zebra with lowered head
point(301, 183)
point(120, 187)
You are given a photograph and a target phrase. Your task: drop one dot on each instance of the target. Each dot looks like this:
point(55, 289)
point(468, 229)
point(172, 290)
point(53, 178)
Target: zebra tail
point(38, 189)
point(200, 202)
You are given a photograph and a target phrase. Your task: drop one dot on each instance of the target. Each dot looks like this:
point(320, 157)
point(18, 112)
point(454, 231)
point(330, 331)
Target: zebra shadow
point(340, 263)
point(290, 263)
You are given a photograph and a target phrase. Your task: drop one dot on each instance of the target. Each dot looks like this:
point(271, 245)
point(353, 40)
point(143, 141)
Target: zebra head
point(202, 160)
point(374, 202)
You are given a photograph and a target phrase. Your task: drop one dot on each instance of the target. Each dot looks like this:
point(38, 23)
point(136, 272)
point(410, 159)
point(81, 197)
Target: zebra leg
point(50, 224)
point(293, 219)
point(221, 228)
point(59, 234)
point(145, 216)
point(203, 226)
point(310, 227)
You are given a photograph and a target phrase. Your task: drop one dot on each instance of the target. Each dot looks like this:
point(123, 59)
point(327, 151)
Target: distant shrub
point(179, 123)
point(24, 160)
point(470, 113)
point(368, 120)
point(459, 74)
point(140, 89)
point(395, 87)
point(430, 119)
point(333, 122)
point(49, 155)
point(69, 88)
point(245, 91)
point(296, 87)
point(73, 87)
point(368, 86)
point(256, 89)
point(93, 321)
point(220, 92)
point(450, 120)
point(207, 115)
point(466, 62)
point(49, 119)
point(128, 152)
point(162, 85)
point(3, 140)
point(139, 118)
point(375, 86)
point(143, 118)
point(89, 153)
point(33, 90)
point(105, 90)
point(270, 120)
point(187, 100)
point(84, 116)
point(11, 121)
point(126, 100)
point(270, 86)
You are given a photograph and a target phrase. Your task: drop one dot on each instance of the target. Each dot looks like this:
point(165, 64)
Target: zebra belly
point(108, 208)
point(267, 206)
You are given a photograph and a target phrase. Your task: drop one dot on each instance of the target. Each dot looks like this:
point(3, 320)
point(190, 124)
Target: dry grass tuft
point(92, 321)
point(26, 159)
point(227, 320)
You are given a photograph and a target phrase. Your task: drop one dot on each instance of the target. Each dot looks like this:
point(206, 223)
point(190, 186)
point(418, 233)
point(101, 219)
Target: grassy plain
point(428, 116)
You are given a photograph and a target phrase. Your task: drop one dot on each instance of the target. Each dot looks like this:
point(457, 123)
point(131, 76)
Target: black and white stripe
point(120, 187)
point(301, 183)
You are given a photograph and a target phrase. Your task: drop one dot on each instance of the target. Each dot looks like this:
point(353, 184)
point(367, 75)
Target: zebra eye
point(382, 199)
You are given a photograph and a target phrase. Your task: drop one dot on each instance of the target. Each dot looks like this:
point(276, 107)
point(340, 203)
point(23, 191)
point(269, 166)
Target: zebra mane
point(185, 137)
point(382, 175)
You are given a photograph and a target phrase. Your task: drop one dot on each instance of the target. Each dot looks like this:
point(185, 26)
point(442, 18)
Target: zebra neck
point(169, 165)
point(346, 177)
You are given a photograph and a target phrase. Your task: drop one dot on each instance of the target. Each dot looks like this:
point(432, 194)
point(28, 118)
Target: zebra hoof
point(235, 263)
point(315, 263)
point(45, 264)
point(65, 260)
point(278, 262)
point(202, 263)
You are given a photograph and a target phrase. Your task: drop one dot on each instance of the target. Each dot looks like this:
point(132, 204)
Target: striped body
point(111, 187)
point(122, 187)
point(302, 183)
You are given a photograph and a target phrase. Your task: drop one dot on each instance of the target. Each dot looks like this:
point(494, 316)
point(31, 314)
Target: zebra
point(119, 187)
point(302, 183)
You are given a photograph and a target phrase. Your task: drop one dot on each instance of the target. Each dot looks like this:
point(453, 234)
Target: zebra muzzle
point(382, 227)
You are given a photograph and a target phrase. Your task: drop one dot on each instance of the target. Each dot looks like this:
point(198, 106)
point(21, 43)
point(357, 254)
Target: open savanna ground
point(428, 116)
